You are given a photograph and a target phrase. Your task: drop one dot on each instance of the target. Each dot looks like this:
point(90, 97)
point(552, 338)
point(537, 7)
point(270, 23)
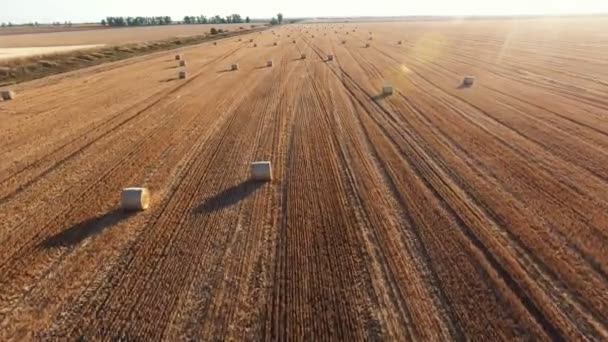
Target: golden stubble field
point(441, 212)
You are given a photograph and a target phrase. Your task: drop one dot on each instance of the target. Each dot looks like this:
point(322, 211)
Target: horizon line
point(421, 16)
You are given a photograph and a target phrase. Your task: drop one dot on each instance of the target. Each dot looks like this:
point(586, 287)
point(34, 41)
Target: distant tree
point(274, 21)
point(104, 22)
point(280, 18)
point(3, 24)
point(186, 20)
point(247, 20)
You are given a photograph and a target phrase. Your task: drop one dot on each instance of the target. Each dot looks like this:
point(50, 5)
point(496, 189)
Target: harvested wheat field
point(440, 212)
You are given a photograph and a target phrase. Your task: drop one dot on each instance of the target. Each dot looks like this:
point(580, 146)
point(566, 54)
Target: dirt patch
point(10, 53)
point(108, 36)
point(16, 70)
point(18, 30)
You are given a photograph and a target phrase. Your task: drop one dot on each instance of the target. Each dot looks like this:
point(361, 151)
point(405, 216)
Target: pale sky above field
point(94, 10)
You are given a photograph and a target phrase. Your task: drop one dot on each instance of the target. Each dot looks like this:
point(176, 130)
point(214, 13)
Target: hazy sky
point(94, 10)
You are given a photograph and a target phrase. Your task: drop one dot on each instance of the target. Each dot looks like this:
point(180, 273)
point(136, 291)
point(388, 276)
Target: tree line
point(136, 21)
point(230, 19)
point(278, 20)
point(147, 21)
point(9, 24)
point(166, 20)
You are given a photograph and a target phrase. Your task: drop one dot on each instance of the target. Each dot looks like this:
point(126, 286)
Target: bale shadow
point(229, 197)
point(169, 79)
point(379, 97)
point(225, 70)
point(85, 229)
point(171, 67)
point(262, 67)
point(463, 86)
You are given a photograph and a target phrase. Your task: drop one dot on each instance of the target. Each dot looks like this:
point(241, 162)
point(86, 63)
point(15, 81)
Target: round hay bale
point(182, 75)
point(294, 41)
point(303, 56)
point(330, 57)
point(7, 95)
point(275, 44)
point(178, 57)
point(182, 63)
point(269, 64)
point(255, 45)
point(370, 38)
point(367, 45)
point(214, 43)
point(135, 199)
point(235, 66)
point(251, 40)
